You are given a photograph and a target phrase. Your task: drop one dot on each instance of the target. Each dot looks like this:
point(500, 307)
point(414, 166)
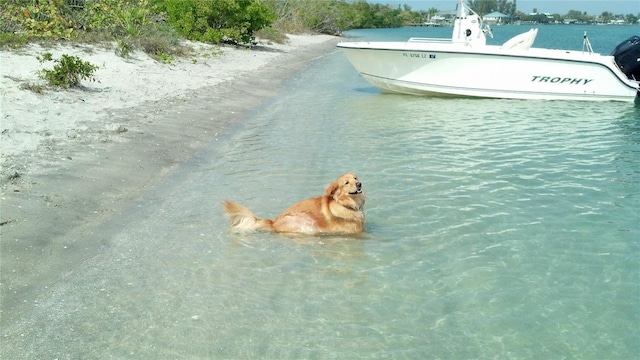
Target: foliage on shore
point(135, 23)
point(158, 26)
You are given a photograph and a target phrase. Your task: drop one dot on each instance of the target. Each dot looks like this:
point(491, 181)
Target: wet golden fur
point(338, 211)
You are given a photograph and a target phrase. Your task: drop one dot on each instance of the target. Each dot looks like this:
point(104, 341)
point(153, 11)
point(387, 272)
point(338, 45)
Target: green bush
point(335, 16)
point(12, 40)
point(216, 21)
point(118, 17)
point(40, 18)
point(68, 72)
point(162, 44)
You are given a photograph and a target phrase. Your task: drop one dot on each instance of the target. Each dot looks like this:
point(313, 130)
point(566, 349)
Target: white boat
point(466, 66)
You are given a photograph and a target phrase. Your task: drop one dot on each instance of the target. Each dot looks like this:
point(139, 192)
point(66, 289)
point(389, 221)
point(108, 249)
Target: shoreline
point(73, 159)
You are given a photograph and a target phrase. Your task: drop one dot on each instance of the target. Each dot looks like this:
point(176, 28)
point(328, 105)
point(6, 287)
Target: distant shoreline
point(592, 8)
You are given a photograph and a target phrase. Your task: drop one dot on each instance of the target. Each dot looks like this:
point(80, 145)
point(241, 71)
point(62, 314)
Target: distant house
point(495, 17)
point(549, 16)
point(436, 20)
point(442, 18)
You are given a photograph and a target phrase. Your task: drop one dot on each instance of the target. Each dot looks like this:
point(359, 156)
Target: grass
point(12, 40)
point(158, 40)
point(25, 85)
point(271, 34)
point(36, 88)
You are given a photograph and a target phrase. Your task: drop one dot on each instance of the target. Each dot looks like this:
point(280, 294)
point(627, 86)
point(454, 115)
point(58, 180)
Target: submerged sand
point(71, 159)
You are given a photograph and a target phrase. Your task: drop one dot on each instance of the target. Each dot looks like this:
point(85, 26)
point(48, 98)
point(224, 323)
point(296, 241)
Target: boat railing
point(586, 44)
point(429, 40)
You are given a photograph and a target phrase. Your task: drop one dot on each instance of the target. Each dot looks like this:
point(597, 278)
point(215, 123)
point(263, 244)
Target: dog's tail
point(243, 220)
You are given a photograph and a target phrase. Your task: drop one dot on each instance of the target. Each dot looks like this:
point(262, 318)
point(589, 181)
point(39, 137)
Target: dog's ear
point(331, 189)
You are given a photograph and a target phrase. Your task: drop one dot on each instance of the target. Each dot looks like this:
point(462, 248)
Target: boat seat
point(522, 41)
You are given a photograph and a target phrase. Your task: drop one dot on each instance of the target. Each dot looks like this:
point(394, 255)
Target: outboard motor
point(627, 57)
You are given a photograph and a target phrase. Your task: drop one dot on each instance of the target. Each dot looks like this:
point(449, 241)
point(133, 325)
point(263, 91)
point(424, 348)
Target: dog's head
point(347, 191)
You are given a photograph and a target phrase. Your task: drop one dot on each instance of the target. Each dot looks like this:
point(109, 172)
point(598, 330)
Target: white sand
point(29, 121)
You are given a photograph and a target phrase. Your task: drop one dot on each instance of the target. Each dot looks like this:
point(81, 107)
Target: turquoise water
point(495, 229)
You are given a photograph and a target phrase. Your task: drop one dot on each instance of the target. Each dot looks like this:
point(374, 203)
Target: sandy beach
point(73, 158)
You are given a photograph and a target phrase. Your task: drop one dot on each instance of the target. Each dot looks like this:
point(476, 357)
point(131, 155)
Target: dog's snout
point(358, 185)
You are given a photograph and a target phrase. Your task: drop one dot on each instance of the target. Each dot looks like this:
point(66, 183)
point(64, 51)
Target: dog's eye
point(346, 182)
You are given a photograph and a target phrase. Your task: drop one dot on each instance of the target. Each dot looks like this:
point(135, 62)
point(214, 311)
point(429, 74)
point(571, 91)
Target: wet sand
point(71, 160)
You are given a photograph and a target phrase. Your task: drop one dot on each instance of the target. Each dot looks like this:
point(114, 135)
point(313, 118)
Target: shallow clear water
point(495, 229)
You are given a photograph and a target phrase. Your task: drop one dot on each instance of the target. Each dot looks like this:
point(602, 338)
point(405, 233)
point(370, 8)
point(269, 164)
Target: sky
point(592, 7)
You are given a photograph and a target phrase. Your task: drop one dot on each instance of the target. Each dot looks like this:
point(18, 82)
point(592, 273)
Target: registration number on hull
point(419, 55)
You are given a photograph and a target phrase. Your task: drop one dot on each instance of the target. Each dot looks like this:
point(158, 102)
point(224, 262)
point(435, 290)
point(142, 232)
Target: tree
point(483, 7)
point(606, 17)
point(506, 7)
point(217, 20)
point(578, 15)
point(631, 19)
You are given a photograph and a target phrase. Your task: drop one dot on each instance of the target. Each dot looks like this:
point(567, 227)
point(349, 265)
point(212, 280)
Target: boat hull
point(489, 72)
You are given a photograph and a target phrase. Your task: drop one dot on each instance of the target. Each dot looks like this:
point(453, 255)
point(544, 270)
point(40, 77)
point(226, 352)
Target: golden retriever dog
point(338, 211)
